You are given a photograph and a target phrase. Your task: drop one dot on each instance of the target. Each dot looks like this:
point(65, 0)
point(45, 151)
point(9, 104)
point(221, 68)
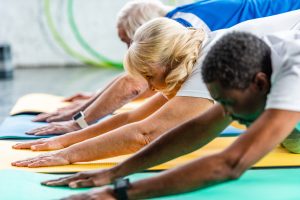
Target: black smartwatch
point(120, 188)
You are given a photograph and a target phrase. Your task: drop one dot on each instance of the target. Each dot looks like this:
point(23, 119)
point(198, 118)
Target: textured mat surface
point(271, 184)
point(279, 157)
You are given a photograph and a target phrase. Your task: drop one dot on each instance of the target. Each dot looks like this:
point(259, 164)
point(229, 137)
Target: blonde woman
point(169, 57)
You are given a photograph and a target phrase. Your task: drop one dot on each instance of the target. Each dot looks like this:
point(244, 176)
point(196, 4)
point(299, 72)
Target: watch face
point(122, 183)
point(77, 116)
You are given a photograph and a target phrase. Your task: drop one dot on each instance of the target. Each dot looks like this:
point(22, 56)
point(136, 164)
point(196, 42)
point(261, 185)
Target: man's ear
point(262, 82)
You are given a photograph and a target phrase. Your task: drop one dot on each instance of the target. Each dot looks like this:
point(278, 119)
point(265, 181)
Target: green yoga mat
point(271, 184)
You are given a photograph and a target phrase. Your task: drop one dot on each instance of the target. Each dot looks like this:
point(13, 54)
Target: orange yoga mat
point(38, 103)
point(279, 157)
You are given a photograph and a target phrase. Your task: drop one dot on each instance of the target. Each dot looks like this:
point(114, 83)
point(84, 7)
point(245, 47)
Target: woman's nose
point(150, 86)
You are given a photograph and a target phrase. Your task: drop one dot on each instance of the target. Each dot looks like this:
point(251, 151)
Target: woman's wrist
point(65, 140)
point(69, 155)
point(73, 138)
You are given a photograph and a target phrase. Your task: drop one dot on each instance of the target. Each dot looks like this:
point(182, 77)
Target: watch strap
point(80, 120)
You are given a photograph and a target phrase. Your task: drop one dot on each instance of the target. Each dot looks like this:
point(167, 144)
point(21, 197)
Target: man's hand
point(55, 128)
point(84, 179)
point(42, 144)
point(44, 160)
point(98, 194)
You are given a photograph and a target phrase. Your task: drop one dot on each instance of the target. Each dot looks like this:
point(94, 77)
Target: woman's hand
point(98, 194)
point(55, 128)
point(44, 160)
point(42, 144)
point(84, 179)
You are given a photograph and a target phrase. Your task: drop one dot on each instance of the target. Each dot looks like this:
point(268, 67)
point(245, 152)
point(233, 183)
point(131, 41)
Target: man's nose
point(228, 110)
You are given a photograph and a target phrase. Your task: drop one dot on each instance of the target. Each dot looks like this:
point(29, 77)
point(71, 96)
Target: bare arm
point(179, 141)
point(182, 140)
point(133, 137)
point(117, 121)
point(267, 132)
point(119, 93)
point(112, 123)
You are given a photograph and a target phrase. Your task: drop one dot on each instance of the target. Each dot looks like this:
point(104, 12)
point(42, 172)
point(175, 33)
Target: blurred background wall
point(41, 32)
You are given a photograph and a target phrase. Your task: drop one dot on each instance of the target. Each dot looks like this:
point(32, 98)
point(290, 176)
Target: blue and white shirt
point(290, 21)
point(219, 14)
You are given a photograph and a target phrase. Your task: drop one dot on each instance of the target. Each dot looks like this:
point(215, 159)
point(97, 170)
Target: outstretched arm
point(119, 93)
point(265, 134)
point(132, 137)
point(110, 124)
point(179, 141)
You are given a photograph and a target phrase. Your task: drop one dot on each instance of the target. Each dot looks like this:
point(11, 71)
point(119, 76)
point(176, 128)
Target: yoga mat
point(234, 129)
point(271, 184)
point(279, 157)
point(36, 103)
point(20, 185)
point(14, 127)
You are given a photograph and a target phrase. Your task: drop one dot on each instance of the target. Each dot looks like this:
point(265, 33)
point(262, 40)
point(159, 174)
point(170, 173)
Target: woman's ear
point(262, 82)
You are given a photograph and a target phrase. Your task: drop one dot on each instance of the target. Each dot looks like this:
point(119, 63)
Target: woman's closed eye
point(149, 77)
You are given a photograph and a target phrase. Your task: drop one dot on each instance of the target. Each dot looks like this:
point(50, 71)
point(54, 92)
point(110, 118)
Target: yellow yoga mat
point(46, 103)
point(279, 157)
point(38, 103)
point(131, 106)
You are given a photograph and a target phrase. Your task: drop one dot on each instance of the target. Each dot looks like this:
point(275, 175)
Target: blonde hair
point(164, 42)
point(137, 12)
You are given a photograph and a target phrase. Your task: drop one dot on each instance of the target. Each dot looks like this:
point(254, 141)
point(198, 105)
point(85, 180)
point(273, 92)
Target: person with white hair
point(208, 14)
point(201, 14)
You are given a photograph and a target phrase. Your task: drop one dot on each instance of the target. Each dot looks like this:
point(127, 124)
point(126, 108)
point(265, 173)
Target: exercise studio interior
point(149, 99)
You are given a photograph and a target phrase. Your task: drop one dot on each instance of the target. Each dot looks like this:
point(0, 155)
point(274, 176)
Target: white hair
point(136, 12)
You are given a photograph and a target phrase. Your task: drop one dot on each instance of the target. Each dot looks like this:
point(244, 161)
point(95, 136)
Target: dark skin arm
point(261, 137)
point(259, 140)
